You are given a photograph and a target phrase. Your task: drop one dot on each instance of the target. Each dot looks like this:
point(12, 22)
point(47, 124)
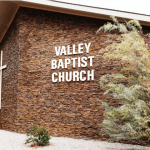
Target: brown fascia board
point(8, 10)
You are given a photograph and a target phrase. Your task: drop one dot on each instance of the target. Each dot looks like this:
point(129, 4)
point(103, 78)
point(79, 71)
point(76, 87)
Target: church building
point(51, 66)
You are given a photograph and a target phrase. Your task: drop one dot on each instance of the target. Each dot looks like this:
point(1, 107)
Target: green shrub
point(130, 85)
point(38, 136)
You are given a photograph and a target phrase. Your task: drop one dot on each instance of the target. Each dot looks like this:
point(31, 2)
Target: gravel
point(15, 141)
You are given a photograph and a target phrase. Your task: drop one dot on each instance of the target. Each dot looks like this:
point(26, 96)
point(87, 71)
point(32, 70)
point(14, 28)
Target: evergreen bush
point(131, 85)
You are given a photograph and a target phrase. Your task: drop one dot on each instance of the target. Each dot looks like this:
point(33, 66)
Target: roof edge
point(8, 9)
point(81, 10)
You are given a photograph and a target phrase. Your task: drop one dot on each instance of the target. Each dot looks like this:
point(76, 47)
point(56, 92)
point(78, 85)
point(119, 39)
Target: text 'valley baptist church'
point(75, 61)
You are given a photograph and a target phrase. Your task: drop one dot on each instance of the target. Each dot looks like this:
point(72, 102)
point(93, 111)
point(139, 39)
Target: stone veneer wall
point(10, 47)
point(70, 109)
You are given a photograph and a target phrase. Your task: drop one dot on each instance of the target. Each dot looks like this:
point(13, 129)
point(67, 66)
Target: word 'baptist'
point(75, 62)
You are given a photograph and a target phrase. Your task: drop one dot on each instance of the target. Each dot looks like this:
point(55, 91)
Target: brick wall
point(10, 47)
point(71, 109)
point(67, 108)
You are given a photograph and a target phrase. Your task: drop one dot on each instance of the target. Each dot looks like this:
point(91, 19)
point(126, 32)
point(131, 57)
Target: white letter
point(63, 50)
point(74, 49)
point(60, 64)
point(87, 47)
point(57, 50)
point(91, 63)
point(54, 64)
point(68, 76)
point(81, 77)
point(90, 75)
point(69, 53)
point(74, 63)
point(83, 59)
point(54, 80)
point(67, 62)
point(61, 76)
point(79, 62)
point(75, 76)
point(80, 47)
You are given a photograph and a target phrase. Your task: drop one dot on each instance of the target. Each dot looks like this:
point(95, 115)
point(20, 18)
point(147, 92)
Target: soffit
point(7, 13)
point(94, 12)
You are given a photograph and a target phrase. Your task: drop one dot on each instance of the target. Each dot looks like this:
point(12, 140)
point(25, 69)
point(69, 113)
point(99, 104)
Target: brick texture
point(10, 47)
point(71, 109)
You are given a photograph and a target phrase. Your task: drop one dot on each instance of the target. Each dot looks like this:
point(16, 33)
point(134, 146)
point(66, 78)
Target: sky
point(135, 6)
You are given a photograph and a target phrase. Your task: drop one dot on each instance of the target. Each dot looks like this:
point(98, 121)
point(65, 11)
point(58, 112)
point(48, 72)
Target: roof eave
point(8, 10)
point(81, 10)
